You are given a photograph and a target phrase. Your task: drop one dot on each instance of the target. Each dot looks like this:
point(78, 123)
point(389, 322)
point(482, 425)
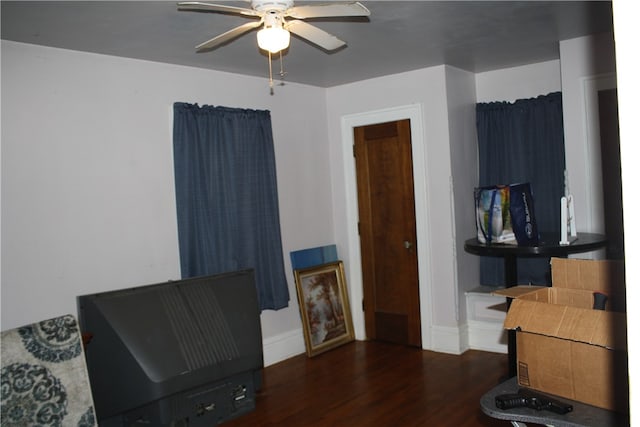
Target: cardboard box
point(564, 346)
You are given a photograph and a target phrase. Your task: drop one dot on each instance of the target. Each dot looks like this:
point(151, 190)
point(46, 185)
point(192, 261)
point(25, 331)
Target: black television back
point(181, 353)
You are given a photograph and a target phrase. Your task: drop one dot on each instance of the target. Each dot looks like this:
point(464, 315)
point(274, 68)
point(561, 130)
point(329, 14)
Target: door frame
point(414, 113)
point(594, 213)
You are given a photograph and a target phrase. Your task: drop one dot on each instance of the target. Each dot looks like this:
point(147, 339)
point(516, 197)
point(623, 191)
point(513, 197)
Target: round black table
point(549, 246)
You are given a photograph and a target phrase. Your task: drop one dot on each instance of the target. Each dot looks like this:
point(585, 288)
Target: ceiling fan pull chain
point(270, 75)
point(282, 72)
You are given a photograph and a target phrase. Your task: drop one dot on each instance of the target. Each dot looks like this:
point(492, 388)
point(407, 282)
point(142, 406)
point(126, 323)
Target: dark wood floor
point(377, 384)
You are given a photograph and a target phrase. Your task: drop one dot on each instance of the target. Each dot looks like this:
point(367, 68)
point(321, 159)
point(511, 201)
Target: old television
point(181, 353)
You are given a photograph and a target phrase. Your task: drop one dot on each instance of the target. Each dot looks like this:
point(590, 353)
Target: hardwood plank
point(368, 383)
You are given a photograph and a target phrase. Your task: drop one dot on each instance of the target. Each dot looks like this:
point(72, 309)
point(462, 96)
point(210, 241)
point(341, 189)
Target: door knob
point(407, 244)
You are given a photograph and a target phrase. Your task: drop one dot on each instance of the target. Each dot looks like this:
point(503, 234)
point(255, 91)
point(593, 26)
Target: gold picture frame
point(324, 307)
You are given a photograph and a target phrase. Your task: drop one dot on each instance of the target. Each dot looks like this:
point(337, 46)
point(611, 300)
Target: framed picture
point(324, 307)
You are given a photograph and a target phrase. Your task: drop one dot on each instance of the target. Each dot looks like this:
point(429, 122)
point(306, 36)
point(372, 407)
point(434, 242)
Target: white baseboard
point(448, 339)
point(476, 335)
point(487, 336)
point(283, 346)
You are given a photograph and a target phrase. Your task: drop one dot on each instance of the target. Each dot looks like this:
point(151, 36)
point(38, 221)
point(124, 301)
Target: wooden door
point(387, 228)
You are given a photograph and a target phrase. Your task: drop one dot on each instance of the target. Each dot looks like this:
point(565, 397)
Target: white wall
point(87, 177)
point(588, 63)
point(510, 84)
point(426, 91)
point(461, 104)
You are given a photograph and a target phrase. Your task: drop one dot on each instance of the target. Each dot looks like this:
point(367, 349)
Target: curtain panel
point(227, 198)
point(518, 142)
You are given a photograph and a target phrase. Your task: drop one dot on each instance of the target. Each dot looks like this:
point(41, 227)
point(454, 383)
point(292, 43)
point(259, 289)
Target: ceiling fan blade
point(210, 7)
point(314, 34)
point(328, 10)
point(228, 36)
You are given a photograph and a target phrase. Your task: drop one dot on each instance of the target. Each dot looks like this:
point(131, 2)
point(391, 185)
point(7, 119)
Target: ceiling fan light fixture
point(273, 39)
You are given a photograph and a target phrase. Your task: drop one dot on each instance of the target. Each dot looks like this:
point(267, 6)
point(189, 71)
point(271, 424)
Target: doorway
point(347, 235)
point(387, 231)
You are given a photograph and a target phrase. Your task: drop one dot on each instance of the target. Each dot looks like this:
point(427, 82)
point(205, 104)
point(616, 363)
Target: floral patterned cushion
point(44, 376)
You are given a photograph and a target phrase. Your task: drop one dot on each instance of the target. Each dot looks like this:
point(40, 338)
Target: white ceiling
point(398, 36)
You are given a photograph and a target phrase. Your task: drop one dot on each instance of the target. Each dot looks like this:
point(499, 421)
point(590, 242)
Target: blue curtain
point(523, 142)
point(226, 196)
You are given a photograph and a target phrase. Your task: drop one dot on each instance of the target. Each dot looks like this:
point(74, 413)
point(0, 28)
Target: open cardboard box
point(564, 346)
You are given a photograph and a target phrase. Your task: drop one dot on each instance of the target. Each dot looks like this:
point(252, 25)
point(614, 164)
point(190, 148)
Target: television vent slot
point(199, 325)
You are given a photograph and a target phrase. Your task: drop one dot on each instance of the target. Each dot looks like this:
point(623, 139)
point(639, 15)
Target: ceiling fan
point(279, 18)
